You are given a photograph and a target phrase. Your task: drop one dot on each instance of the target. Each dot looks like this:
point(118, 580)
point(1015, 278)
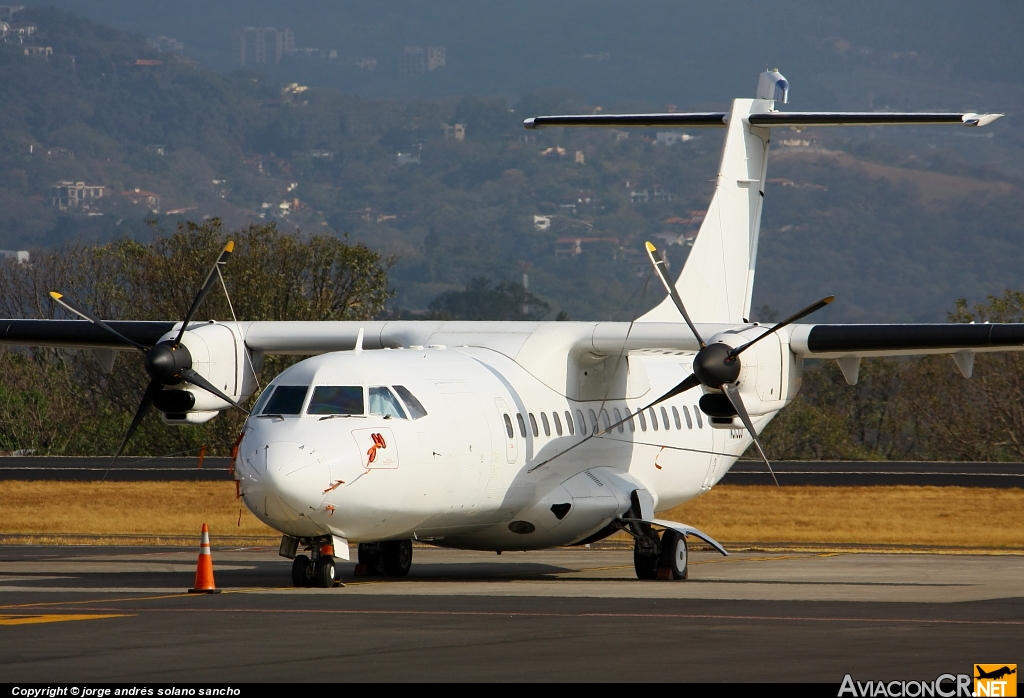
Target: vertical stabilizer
point(718, 276)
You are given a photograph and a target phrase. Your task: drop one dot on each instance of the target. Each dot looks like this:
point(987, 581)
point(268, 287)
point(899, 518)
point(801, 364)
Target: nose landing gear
point(317, 568)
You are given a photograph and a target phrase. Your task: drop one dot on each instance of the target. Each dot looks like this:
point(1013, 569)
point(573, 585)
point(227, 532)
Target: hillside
point(869, 220)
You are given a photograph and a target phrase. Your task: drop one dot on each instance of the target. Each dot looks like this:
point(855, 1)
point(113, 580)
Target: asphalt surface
point(121, 614)
point(836, 473)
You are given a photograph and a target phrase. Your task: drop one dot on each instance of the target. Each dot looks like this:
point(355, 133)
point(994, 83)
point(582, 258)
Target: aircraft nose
point(298, 474)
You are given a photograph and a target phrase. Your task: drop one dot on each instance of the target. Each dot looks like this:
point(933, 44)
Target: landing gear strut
point(391, 558)
point(654, 556)
point(317, 568)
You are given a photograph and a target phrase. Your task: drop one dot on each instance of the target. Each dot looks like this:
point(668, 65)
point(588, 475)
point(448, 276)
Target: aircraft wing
point(285, 337)
point(837, 341)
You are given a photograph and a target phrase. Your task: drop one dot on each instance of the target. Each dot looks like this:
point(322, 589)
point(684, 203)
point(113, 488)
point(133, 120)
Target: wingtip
point(530, 123)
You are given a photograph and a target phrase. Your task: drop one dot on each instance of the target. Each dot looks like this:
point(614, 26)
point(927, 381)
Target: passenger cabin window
point(533, 425)
point(287, 399)
point(558, 423)
point(605, 421)
point(568, 423)
point(618, 420)
point(414, 406)
point(696, 415)
point(544, 423)
point(508, 427)
point(522, 425)
point(643, 421)
point(336, 399)
point(664, 419)
point(675, 416)
point(654, 419)
point(384, 403)
point(686, 413)
point(581, 423)
point(593, 421)
point(630, 422)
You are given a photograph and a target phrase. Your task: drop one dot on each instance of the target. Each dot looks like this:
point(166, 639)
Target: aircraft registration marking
point(57, 618)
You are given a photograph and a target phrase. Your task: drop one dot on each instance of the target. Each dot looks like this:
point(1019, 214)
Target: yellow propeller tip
point(55, 296)
point(230, 247)
point(650, 247)
point(830, 299)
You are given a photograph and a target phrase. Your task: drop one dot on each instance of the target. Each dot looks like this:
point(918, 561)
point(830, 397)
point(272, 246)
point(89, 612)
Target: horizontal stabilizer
point(712, 119)
point(774, 119)
point(768, 119)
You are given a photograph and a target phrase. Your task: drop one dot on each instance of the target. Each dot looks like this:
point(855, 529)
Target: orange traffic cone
point(204, 567)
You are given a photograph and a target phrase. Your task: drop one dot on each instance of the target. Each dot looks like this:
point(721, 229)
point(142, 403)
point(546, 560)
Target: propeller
point(718, 365)
point(167, 363)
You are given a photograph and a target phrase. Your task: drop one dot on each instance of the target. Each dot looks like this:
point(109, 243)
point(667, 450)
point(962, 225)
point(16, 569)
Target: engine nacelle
point(220, 356)
point(769, 379)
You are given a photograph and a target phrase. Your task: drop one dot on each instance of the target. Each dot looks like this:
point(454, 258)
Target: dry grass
point(878, 516)
point(173, 512)
point(125, 512)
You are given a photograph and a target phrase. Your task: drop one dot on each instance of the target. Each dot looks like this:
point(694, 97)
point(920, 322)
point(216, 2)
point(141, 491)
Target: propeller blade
point(84, 313)
point(152, 390)
point(659, 265)
point(197, 380)
point(733, 393)
point(211, 279)
point(792, 318)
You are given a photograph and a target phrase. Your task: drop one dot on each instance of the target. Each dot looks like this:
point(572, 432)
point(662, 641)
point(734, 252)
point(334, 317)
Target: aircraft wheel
point(372, 556)
point(300, 571)
point(646, 566)
point(326, 573)
point(397, 556)
point(674, 554)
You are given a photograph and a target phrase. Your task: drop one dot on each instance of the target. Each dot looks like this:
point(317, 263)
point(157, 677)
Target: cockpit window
point(383, 402)
point(415, 407)
point(336, 399)
point(287, 399)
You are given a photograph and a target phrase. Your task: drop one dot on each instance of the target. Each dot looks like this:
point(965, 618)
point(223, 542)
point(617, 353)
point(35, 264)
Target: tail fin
point(718, 276)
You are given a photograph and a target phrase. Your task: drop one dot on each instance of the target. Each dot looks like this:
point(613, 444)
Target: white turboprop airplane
point(517, 435)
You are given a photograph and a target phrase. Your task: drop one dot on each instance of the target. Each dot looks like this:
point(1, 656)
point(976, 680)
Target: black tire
point(646, 566)
point(397, 556)
point(300, 571)
point(674, 554)
point(326, 573)
point(373, 558)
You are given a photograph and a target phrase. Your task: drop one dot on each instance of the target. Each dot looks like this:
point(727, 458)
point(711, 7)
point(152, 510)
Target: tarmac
point(829, 473)
point(118, 614)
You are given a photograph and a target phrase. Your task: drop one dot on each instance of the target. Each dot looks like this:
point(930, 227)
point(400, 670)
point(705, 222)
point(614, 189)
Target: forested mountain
point(898, 231)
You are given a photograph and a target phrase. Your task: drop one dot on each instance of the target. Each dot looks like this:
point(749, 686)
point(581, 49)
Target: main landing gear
point(316, 569)
point(659, 558)
point(391, 558)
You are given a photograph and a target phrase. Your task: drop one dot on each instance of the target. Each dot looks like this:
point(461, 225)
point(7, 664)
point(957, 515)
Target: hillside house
point(458, 131)
point(43, 52)
point(141, 197)
point(67, 195)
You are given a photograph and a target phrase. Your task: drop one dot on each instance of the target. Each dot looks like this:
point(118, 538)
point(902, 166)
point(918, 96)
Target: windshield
point(287, 399)
point(336, 399)
point(415, 407)
point(383, 402)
